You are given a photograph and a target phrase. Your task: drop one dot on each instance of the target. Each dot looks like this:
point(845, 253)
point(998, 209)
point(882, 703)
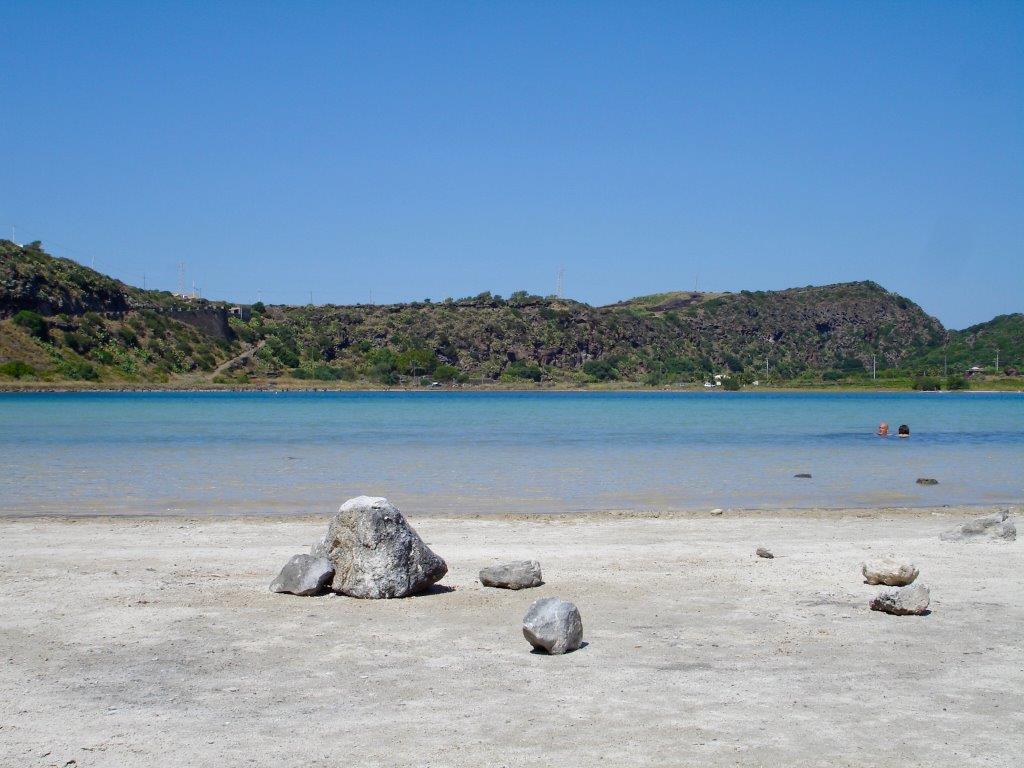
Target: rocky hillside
point(59, 320)
point(978, 345)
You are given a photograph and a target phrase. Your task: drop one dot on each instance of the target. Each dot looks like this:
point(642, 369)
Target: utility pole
point(310, 298)
point(997, 359)
point(873, 368)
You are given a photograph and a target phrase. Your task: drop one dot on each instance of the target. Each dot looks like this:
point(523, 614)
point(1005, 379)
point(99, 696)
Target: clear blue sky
point(441, 149)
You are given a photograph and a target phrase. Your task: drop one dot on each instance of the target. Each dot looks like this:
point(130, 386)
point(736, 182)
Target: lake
point(489, 452)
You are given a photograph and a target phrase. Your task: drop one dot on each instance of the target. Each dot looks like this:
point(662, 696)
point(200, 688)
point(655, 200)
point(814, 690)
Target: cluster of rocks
point(998, 525)
point(370, 551)
point(913, 599)
point(905, 600)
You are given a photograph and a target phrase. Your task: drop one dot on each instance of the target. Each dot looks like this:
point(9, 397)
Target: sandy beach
point(156, 642)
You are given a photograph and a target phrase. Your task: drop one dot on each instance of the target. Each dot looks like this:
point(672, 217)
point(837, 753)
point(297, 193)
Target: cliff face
point(33, 280)
point(83, 318)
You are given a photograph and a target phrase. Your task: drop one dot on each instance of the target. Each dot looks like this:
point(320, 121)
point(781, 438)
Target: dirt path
point(239, 360)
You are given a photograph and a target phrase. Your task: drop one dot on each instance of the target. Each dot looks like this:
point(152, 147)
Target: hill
point(61, 321)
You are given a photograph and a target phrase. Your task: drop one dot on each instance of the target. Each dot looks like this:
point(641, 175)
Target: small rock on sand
point(998, 525)
point(553, 625)
point(716, 512)
point(889, 571)
point(303, 575)
point(927, 481)
point(764, 552)
point(904, 601)
point(519, 574)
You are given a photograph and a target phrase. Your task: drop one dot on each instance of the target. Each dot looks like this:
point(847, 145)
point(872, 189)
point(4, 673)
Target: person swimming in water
point(883, 430)
point(903, 431)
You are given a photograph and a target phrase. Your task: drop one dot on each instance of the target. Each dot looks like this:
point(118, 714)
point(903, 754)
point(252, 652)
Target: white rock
point(998, 525)
point(888, 571)
point(303, 575)
point(520, 574)
point(553, 625)
point(903, 601)
point(376, 553)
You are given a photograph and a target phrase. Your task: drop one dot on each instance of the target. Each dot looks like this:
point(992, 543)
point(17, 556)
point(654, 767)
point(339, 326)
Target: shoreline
point(70, 388)
point(594, 516)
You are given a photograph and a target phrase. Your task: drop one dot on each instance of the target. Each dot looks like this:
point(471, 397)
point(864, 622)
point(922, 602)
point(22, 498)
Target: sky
point(397, 151)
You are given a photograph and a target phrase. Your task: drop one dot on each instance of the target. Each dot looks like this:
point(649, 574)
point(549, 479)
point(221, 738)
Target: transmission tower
point(560, 282)
point(181, 278)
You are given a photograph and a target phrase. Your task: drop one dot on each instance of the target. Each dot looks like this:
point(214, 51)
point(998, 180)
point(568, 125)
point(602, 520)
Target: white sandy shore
point(156, 643)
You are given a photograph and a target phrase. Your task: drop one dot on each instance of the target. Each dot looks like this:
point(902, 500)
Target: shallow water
point(272, 453)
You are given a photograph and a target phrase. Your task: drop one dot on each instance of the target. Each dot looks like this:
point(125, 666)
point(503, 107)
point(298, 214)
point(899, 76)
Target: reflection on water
point(226, 453)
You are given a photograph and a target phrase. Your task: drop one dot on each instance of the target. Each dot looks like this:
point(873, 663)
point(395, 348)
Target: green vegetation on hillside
point(60, 321)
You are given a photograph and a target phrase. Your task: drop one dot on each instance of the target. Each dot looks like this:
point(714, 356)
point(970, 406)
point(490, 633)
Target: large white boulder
point(376, 553)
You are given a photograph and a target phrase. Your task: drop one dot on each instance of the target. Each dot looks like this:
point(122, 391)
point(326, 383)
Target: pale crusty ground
point(156, 643)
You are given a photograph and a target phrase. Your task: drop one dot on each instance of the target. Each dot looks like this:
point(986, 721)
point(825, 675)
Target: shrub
point(732, 384)
point(833, 375)
point(957, 382)
point(128, 336)
point(16, 369)
point(78, 342)
point(926, 384)
point(601, 370)
point(445, 372)
point(82, 371)
point(31, 321)
point(522, 370)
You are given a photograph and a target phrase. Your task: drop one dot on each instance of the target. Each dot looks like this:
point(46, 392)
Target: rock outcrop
point(519, 574)
point(998, 525)
point(889, 571)
point(304, 575)
point(376, 553)
point(553, 625)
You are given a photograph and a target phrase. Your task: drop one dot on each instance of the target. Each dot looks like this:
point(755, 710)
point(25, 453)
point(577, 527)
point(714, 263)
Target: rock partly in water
point(553, 625)
point(803, 474)
point(904, 601)
point(376, 553)
point(520, 574)
point(303, 575)
point(764, 552)
point(889, 571)
point(998, 525)
point(927, 481)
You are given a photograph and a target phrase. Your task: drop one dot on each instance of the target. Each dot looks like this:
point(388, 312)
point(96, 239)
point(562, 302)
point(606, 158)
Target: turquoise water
point(259, 453)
